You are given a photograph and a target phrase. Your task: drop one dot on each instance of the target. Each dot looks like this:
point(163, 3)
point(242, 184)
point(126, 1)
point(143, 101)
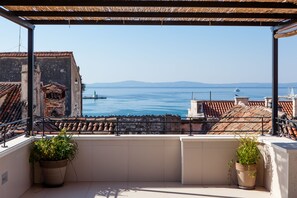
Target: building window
point(54, 96)
point(199, 108)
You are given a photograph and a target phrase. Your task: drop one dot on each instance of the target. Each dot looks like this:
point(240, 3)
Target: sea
point(163, 100)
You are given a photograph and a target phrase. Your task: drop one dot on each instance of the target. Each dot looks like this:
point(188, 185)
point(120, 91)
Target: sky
point(163, 53)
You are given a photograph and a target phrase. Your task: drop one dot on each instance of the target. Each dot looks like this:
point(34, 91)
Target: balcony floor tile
point(141, 189)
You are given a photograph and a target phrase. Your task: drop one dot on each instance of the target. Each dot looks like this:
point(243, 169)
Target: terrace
point(153, 165)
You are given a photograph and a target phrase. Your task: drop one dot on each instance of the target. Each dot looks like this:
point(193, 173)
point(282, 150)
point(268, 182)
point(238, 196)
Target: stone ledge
point(15, 144)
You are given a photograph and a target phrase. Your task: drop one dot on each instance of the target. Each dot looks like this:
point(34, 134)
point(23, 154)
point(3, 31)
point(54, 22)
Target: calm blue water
point(148, 101)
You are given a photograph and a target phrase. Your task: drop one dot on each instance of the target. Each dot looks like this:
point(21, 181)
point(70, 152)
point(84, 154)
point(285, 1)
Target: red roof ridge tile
point(38, 54)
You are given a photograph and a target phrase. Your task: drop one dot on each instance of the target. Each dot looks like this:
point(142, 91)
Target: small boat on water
point(237, 90)
point(94, 96)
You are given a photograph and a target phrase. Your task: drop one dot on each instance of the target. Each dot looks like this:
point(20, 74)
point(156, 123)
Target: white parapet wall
point(125, 158)
point(280, 166)
point(206, 158)
point(15, 169)
point(200, 159)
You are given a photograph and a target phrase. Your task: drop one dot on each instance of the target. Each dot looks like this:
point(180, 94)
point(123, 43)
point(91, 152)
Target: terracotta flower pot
point(53, 172)
point(246, 176)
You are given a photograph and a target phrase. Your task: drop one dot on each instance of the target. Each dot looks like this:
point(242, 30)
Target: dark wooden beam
point(154, 14)
point(284, 25)
point(10, 16)
point(149, 3)
point(143, 22)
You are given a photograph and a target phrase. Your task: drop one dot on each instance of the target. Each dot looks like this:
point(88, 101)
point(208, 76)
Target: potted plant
point(246, 167)
point(53, 153)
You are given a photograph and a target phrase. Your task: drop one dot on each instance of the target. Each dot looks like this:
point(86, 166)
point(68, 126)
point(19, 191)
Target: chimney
point(36, 94)
point(37, 91)
point(239, 100)
point(24, 90)
point(196, 110)
point(24, 81)
point(268, 102)
point(294, 101)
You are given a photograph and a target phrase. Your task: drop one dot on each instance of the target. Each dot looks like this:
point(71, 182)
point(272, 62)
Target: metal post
point(42, 126)
point(191, 126)
point(209, 95)
point(262, 122)
point(30, 79)
point(274, 83)
point(117, 134)
point(4, 140)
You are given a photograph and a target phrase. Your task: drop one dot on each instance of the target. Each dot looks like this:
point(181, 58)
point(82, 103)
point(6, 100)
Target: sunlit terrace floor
point(141, 190)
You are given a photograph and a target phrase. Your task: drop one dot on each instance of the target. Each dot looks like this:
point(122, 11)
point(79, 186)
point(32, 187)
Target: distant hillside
point(184, 84)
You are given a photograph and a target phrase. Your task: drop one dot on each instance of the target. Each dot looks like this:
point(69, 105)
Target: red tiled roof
point(256, 103)
point(215, 109)
point(108, 125)
point(102, 125)
point(287, 107)
point(11, 108)
point(244, 119)
point(288, 129)
point(5, 88)
point(38, 54)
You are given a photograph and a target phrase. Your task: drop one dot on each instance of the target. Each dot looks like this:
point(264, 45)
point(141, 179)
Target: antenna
point(20, 34)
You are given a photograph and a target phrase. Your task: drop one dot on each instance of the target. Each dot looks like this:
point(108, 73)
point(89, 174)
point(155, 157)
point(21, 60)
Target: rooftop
point(215, 109)
point(38, 54)
point(243, 119)
point(10, 104)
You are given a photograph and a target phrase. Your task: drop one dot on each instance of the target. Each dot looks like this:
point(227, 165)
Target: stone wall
point(53, 69)
point(149, 124)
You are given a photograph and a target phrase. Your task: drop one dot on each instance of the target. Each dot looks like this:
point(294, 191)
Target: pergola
point(281, 15)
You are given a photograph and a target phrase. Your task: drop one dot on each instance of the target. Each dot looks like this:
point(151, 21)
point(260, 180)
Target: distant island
point(186, 84)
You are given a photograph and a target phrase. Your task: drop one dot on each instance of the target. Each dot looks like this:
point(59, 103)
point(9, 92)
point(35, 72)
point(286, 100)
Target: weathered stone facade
point(149, 124)
point(54, 100)
point(59, 67)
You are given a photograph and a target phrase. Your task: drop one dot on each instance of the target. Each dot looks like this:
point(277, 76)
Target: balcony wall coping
point(124, 137)
point(283, 144)
point(204, 138)
point(15, 144)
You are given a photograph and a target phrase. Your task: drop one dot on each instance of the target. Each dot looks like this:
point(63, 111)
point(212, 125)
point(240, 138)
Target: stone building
point(55, 67)
point(54, 100)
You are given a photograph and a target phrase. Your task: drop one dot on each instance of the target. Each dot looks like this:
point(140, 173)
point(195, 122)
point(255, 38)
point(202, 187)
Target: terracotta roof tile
point(11, 106)
point(244, 119)
point(79, 125)
point(288, 129)
point(11, 109)
point(215, 109)
point(38, 54)
point(287, 107)
point(107, 125)
point(257, 103)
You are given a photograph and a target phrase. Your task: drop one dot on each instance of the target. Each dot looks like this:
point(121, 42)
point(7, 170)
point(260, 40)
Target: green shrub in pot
point(248, 155)
point(53, 153)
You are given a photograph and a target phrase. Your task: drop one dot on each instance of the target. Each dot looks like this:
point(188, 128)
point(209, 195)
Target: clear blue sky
point(163, 53)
